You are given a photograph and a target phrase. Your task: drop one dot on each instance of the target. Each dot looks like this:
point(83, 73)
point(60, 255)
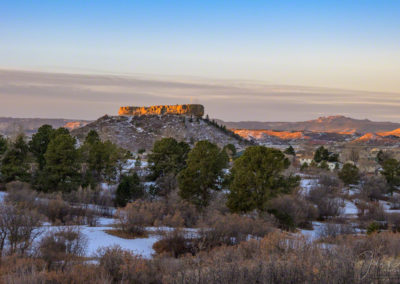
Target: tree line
point(53, 161)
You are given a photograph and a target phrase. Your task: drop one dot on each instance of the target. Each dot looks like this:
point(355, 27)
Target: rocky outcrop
point(189, 109)
point(140, 132)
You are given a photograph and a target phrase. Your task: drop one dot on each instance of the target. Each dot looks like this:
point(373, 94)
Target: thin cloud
point(36, 94)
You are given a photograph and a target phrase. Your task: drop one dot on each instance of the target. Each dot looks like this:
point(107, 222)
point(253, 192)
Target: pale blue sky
point(344, 44)
point(351, 45)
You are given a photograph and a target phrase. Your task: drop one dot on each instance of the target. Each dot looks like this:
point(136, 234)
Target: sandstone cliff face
point(189, 109)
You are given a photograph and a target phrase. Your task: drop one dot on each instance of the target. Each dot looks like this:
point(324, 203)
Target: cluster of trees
point(52, 160)
point(321, 158)
point(322, 154)
point(255, 178)
point(390, 169)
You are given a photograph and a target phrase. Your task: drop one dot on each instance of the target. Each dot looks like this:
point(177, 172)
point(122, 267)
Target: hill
point(337, 124)
point(29, 126)
point(140, 132)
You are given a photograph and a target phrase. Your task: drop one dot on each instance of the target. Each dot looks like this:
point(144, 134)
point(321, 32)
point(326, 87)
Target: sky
point(244, 60)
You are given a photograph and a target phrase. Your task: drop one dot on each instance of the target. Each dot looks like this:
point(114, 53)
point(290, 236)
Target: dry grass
point(126, 235)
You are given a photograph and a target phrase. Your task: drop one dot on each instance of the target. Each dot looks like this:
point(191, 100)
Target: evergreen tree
point(204, 167)
point(92, 137)
point(391, 171)
point(15, 164)
point(102, 159)
point(3, 145)
point(321, 154)
point(257, 177)
point(60, 131)
point(382, 157)
point(128, 190)
point(168, 157)
point(290, 151)
point(349, 174)
point(39, 143)
point(324, 165)
point(61, 171)
point(304, 167)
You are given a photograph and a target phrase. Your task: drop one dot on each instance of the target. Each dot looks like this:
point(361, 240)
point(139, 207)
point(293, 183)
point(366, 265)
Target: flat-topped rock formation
point(188, 109)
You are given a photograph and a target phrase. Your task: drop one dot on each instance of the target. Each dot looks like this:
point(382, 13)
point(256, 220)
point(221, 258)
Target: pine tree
point(62, 165)
point(204, 166)
point(290, 151)
point(349, 174)
point(168, 157)
point(39, 143)
point(3, 145)
point(15, 164)
point(257, 177)
point(391, 171)
point(128, 190)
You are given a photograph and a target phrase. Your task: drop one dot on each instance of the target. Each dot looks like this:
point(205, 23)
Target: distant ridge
point(10, 125)
point(337, 124)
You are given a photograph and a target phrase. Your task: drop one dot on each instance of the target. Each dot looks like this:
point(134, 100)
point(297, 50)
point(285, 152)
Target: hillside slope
point(140, 132)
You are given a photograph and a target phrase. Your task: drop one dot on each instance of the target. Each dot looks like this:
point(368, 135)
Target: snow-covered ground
point(97, 238)
point(2, 195)
point(306, 185)
point(313, 234)
point(130, 164)
point(350, 209)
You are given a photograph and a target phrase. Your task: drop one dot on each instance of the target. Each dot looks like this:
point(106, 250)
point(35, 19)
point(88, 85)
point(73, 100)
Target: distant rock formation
point(189, 109)
point(335, 124)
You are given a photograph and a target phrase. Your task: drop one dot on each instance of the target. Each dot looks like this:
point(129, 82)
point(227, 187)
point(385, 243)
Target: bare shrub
point(124, 267)
point(329, 182)
point(60, 212)
point(22, 270)
point(19, 270)
point(17, 186)
point(371, 211)
point(20, 193)
point(395, 201)
point(111, 259)
point(19, 227)
point(174, 243)
point(373, 188)
point(293, 211)
point(394, 222)
point(171, 211)
point(62, 246)
point(129, 221)
point(277, 258)
point(166, 184)
point(332, 230)
point(87, 197)
point(383, 244)
point(328, 205)
point(231, 229)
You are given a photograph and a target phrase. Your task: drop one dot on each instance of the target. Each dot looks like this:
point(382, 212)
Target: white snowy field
point(98, 238)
